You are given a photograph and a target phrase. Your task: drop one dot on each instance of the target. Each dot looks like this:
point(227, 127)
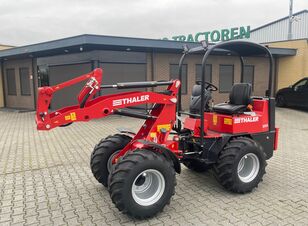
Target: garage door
point(121, 72)
point(61, 73)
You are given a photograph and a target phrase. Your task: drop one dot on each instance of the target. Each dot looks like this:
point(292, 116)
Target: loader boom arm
point(93, 107)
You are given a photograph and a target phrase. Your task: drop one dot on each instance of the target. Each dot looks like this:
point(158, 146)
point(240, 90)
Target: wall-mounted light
point(66, 51)
point(81, 48)
point(128, 49)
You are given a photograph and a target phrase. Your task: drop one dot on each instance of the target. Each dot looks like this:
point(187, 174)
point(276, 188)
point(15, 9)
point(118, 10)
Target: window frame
point(186, 79)
point(7, 84)
point(295, 86)
point(20, 82)
point(219, 88)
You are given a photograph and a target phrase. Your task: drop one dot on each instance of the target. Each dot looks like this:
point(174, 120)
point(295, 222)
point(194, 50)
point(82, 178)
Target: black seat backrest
point(195, 100)
point(240, 94)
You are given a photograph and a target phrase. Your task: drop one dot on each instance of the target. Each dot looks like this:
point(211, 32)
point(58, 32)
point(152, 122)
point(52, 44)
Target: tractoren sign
point(215, 35)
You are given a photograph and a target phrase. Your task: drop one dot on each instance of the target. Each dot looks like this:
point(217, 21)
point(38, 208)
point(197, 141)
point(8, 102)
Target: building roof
point(281, 19)
point(88, 42)
point(278, 30)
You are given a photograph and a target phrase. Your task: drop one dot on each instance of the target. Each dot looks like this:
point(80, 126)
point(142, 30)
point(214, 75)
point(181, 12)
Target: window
point(249, 71)
point(42, 74)
point(174, 74)
point(226, 78)
point(300, 85)
point(24, 77)
point(208, 72)
point(11, 81)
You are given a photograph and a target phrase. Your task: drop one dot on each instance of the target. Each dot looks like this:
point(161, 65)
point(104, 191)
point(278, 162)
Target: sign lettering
point(215, 35)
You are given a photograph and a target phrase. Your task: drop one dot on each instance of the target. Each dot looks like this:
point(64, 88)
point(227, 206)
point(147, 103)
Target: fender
point(165, 151)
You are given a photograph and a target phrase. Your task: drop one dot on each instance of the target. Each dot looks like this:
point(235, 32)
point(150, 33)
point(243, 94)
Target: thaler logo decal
point(246, 120)
point(130, 100)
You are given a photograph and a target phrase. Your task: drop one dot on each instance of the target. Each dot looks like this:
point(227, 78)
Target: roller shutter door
point(122, 72)
point(61, 73)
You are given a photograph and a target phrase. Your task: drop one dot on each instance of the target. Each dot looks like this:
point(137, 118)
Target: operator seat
point(195, 100)
point(239, 99)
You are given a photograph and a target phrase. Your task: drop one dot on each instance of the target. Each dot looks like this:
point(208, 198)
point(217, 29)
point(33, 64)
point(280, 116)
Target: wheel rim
point(148, 187)
point(248, 167)
point(109, 163)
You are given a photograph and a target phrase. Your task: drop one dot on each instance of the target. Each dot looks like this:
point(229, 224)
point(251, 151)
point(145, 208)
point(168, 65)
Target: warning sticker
point(214, 120)
point(164, 126)
point(228, 121)
point(71, 116)
point(153, 134)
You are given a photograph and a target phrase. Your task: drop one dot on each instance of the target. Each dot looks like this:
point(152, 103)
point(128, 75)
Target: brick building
point(25, 68)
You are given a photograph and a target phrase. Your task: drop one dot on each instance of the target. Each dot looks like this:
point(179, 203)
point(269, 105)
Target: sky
point(31, 21)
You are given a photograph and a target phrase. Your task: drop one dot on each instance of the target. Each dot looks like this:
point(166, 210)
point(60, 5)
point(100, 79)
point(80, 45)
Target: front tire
point(142, 183)
point(241, 165)
point(103, 153)
point(280, 101)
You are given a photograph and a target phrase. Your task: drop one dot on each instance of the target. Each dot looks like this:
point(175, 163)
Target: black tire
point(280, 101)
point(127, 173)
point(226, 168)
point(196, 166)
point(102, 152)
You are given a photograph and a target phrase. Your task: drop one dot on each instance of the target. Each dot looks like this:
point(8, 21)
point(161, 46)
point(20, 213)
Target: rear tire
point(142, 183)
point(241, 165)
point(103, 153)
point(196, 166)
point(280, 101)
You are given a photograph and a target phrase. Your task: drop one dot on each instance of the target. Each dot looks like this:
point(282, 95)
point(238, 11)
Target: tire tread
point(123, 168)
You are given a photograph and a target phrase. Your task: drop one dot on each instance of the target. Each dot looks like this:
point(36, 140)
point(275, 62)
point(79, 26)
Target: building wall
point(2, 47)
point(1, 88)
point(161, 69)
point(292, 68)
point(162, 72)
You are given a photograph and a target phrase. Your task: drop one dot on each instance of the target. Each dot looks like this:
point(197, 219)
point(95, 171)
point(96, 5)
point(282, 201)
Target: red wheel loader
point(234, 138)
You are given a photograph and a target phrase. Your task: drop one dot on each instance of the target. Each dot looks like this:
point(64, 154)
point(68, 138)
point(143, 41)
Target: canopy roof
point(98, 42)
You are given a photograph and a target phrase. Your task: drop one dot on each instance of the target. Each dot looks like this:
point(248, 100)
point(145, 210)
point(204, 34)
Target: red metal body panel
point(276, 139)
point(193, 124)
point(252, 122)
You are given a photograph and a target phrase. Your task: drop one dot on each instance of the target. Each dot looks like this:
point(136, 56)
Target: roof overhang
point(87, 42)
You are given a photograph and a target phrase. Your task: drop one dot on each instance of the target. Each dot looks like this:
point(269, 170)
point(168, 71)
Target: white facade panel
point(278, 31)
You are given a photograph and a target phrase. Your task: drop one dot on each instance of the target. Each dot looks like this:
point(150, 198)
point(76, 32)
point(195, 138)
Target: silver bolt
point(47, 126)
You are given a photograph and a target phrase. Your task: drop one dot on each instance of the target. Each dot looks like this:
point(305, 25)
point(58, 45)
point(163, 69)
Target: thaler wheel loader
point(234, 138)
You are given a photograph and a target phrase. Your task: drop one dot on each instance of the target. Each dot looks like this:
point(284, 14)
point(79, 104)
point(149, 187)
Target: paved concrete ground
point(45, 179)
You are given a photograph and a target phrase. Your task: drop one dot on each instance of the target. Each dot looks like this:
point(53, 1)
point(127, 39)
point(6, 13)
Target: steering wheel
point(209, 86)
